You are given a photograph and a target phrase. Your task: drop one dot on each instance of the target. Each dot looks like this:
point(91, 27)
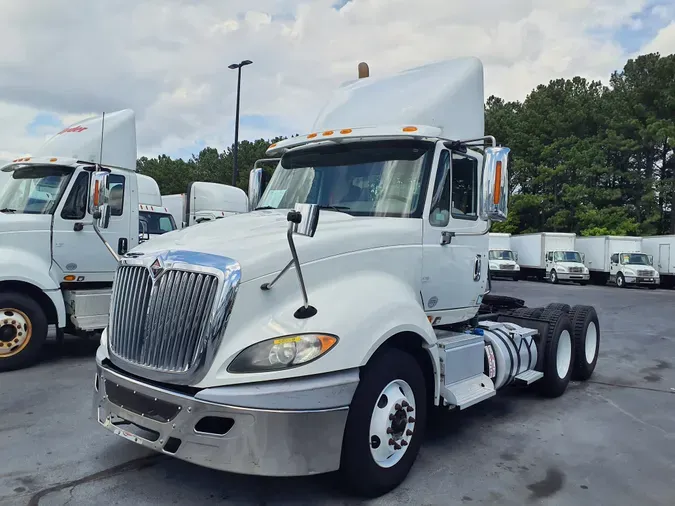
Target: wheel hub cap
point(392, 423)
point(15, 332)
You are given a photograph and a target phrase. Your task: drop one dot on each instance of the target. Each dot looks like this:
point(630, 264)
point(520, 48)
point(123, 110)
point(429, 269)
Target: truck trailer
point(618, 259)
point(503, 262)
point(661, 250)
point(551, 256)
point(316, 332)
point(207, 202)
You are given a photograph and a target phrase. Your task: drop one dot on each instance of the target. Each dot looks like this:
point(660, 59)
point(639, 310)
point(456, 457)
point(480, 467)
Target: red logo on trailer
point(73, 129)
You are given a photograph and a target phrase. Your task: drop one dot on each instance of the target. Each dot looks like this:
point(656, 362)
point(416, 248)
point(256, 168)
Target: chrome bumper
point(269, 442)
point(573, 276)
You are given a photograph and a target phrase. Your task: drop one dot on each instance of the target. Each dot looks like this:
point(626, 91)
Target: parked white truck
point(217, 355)
point(551, 256)
point(153, 218)
point(503, 262)
point(618, 259)
point(661, 250)
point(207, 202)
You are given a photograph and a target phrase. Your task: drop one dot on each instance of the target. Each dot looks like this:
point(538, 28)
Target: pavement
point(609, 441)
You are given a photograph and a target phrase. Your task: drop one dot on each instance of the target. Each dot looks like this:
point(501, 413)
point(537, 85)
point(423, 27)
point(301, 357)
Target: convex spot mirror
point(309, 219)
point(495, 184)
point(98, 199)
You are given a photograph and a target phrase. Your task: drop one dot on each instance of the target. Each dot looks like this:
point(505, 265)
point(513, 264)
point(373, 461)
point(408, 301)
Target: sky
point(61, 61)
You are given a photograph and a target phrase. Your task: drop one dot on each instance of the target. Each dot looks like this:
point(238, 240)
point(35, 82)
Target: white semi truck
point(551, 256)
point(207, 202)
point(503, 262)
point(618, 259)
point(316, 332)
point(661, 250)
point(153, 218)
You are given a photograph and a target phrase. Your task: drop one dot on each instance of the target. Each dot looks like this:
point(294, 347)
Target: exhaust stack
point(364, 71)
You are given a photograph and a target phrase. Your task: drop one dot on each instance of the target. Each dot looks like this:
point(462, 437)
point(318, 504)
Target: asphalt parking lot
point(608, 441)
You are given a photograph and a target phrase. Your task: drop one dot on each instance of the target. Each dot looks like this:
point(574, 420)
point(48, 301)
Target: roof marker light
point(311, 136)
point(328, 132)
point(345, 131)
point(410, 129)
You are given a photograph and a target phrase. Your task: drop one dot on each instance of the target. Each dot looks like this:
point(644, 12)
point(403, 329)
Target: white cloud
point(664, 42)
point(168, 59)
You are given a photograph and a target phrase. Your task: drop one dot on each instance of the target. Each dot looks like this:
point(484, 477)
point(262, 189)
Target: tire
point(358, 466)
point(583, 283)
point(23, 331)
point(560, 306)
point(586, 329)
point(528, 312)
point(558, 349)
point(620, 281)
point(553, 277)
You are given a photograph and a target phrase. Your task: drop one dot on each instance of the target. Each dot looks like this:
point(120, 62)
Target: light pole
point(235, 168)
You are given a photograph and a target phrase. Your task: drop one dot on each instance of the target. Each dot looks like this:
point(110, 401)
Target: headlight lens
point(282, 353)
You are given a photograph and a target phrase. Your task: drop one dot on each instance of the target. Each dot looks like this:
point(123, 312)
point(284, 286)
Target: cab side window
point(440, 203)
point(615, 258)
point(75, 207)
point(464, 187)
point(116, 198)
point(549, 256)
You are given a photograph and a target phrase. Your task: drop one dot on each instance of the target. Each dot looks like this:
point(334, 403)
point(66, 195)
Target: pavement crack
point(632, 416)
point(633, 387)
point(132, 465)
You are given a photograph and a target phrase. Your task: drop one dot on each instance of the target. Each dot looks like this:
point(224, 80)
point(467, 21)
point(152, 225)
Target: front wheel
point(23, 331)
point(385, 425)
point(620, 281)
point(554, 277)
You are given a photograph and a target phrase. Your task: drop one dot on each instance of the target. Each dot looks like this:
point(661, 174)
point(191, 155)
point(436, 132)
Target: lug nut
point(392, 442)
point(410, 409)
point(405, 404)
point(404, 442)
point(408, 432)
point(397, 407)
point(397, 446)
point(411, 420)
point(390, 430)
point(391, 417)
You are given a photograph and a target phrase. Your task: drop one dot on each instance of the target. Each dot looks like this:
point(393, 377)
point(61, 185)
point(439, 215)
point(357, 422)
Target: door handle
point(477, 268)
point(446, 237)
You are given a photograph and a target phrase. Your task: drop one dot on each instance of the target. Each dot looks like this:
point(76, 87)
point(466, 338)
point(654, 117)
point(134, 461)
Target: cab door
point(455, 265)
point(76, 248)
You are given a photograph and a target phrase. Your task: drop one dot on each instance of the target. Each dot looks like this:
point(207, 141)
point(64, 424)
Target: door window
point(75, 207)
point(116, 189)
point(440, 204)
point(464, 187)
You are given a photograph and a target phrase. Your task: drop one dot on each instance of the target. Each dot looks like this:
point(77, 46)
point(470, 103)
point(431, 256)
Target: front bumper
point(647, 281)
point(573, 276)
point(504, 273)
point(268, 442)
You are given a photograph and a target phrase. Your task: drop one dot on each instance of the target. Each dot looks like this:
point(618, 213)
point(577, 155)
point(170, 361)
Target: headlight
point(282, 353)
point(585, 270)
point(561, 268)
point(494, 266)
point(517, 267)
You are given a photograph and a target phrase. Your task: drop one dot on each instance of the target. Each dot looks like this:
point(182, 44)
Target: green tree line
point(585, 157)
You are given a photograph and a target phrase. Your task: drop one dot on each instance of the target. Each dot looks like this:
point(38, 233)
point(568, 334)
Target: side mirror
point(651, 259)
point(495, 184)
point(516, 255)
point(143, 235)
point(309, 219)
point(98, 199)
point(583, 258)
point(255, 188)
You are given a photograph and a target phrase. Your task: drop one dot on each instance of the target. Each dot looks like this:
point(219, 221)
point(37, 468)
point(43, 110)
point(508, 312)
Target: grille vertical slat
point(160, 326)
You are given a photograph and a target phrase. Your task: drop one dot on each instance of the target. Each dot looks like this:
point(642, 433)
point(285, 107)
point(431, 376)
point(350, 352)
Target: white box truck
point(207, 202)
point(316, 332)
point(618, 259)
point(661, 250)
point(153, 218)
point(503, 262)
point(551, 256)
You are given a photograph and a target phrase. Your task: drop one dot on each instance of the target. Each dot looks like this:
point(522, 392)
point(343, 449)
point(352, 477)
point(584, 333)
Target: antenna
point(100, 154)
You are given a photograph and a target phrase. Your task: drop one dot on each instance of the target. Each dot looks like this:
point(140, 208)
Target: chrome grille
point(507, 267)
point(576, 269)
point(644, 274)
point(160, 327)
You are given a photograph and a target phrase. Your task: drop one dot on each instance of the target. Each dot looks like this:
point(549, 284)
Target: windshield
point(34, 189)
point(156, 223)
point(634, 259)
point(500, 254)
point(382, 178)
point(567, 256)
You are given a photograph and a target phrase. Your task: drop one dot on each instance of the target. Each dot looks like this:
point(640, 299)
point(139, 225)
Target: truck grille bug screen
point(160, 326)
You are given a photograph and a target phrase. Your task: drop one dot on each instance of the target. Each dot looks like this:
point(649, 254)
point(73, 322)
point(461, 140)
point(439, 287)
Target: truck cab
point(54, 269)
point(632, 269)
point(315, 333)
point(153, 218)
point(503, 261)
point(566, 266)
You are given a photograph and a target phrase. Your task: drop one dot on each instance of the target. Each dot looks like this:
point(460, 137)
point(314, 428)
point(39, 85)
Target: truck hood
point(567, 265)
point(24, 222)
point(632, 269)
point(257, 240)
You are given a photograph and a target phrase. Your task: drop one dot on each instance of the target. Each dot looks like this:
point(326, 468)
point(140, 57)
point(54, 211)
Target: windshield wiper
point(340, 209)
point(7, 210)
point(264, 208)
